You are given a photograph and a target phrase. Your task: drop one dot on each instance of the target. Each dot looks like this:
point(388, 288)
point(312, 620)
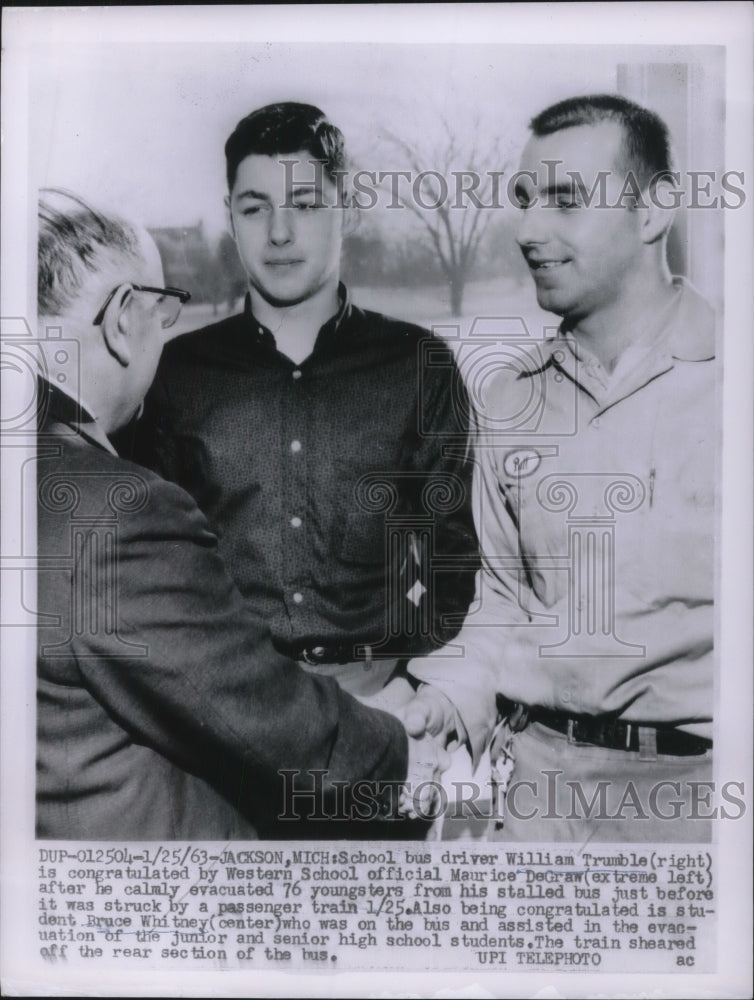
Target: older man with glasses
point(169, 303)
point(163, 710)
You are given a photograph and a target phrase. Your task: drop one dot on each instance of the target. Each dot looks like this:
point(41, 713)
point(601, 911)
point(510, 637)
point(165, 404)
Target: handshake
point(429, 719)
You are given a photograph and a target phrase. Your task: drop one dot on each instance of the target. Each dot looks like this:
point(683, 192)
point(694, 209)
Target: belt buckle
point(575, 734)
point(314, 656)
point(604, 736)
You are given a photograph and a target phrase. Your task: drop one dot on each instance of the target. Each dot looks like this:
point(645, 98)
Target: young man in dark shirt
point(163, 711)
point(326, 444)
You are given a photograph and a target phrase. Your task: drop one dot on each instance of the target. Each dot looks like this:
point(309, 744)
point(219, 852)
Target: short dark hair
point(646, 139)
point(285, 128)
point(75, 240)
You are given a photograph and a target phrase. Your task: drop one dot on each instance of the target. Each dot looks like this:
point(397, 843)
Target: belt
point(615, 734)
point(314, 655)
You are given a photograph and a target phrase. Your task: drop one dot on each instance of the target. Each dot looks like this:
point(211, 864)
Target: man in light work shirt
point(595, 489)
point(326, 443)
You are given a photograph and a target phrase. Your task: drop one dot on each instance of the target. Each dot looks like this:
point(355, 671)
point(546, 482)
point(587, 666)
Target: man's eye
point(252, 210)
point(304, 205)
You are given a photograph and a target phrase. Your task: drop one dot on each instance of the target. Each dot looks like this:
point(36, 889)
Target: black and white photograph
point(376, 450)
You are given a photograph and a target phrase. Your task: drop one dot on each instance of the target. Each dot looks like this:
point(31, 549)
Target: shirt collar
point(686, 332)
point(692, 331)
point(327, 334)
point(58, 405)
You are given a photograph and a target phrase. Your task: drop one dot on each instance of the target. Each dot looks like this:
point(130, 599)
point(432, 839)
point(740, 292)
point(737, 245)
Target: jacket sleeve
point(189, 669)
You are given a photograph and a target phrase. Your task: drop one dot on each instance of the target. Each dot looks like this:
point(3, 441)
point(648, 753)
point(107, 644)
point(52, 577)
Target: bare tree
point(456, 185)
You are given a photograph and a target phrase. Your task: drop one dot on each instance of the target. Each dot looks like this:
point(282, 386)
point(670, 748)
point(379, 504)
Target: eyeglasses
point(169, 303)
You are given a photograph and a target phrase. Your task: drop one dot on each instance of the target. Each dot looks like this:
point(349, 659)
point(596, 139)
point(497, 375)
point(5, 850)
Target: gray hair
point(75, 241)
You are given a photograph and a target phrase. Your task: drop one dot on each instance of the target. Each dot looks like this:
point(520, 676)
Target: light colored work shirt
point(595, 505)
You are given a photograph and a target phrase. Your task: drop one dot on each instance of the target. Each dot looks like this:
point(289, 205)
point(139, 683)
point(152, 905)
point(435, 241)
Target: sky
point(140, 123)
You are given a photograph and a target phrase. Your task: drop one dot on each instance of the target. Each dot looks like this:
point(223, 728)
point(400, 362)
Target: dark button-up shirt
point(340, 487)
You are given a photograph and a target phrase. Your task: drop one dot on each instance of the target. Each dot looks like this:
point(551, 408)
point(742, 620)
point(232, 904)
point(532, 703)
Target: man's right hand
point(429, 712)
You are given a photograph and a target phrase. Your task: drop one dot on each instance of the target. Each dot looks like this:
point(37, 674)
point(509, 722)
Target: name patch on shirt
point(521, 462)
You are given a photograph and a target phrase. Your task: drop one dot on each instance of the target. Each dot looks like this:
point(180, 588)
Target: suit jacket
point(163, 709)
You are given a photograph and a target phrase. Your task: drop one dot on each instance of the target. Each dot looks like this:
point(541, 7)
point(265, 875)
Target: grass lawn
point(483, 301)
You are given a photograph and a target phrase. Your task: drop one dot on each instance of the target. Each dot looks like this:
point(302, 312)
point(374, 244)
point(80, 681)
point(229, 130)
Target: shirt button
point(296, 522)
point(298, 598)
point(565, 695)
point(596, 422)
point(296, 373)
point(295, 447)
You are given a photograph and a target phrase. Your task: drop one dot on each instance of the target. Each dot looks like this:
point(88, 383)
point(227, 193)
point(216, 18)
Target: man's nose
point(281, 226)
point(533, 225)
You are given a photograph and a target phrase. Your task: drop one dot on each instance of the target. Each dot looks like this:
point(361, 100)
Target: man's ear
point(661, 204)
point(117, 327)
